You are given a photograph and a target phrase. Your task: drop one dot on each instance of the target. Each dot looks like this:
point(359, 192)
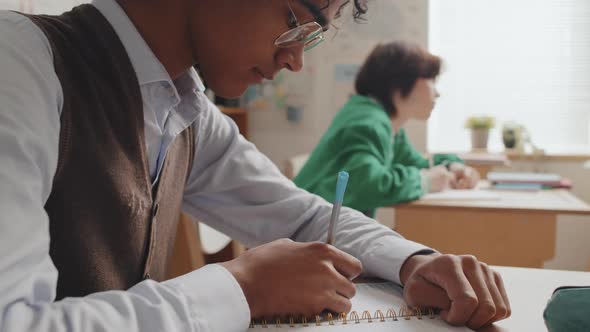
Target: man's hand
point(468, 291)
point(289, 278)
point(439, 178)
point(465, 177)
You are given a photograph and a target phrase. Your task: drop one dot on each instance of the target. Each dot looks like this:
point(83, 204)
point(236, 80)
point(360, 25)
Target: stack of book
point(527, 181)
point(485, 159)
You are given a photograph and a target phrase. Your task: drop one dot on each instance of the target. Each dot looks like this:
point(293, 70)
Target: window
point(526, 61)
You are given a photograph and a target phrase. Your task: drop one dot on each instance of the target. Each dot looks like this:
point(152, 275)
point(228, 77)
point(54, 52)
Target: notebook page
point(462, 195)
point(402, 325)
point(377, 296)
point(373, 297)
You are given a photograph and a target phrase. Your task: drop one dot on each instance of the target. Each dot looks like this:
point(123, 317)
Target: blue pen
point(340, 189)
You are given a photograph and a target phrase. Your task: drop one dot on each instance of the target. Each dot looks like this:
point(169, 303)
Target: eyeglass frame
point(317, 34)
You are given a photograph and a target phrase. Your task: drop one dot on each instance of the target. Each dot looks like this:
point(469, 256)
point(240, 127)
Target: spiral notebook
point(375, 307)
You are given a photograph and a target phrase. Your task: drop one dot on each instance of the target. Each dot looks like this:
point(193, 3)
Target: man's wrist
point(413, 261)
point(424, 181)
point(236, 270)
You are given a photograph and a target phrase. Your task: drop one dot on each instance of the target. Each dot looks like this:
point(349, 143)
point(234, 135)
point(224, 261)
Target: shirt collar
point(147, 66)
point(189, 82)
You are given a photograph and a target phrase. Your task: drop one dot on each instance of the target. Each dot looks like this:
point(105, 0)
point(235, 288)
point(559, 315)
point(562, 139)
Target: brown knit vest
point(109, 228)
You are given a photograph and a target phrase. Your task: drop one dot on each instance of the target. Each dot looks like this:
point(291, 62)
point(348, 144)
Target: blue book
point(518, 186)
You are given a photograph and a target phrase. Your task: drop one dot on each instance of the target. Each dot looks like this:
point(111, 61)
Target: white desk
point(528, 291)
point(212, 241)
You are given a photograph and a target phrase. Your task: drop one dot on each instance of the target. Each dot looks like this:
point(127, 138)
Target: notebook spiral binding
point(352, 317)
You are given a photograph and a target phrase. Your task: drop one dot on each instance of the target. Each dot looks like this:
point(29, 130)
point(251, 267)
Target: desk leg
point(524, 239)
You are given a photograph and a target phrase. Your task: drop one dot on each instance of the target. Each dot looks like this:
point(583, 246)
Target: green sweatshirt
point(384, 168)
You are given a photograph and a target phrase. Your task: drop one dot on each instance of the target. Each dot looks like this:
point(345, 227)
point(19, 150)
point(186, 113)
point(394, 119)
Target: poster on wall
point(51, 7)
point(342, 74)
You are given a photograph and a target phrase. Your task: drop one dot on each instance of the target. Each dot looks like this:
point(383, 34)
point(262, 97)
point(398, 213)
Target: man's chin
point(226, 91)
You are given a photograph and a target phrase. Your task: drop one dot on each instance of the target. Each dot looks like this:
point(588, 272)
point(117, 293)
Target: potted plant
point(480, 129)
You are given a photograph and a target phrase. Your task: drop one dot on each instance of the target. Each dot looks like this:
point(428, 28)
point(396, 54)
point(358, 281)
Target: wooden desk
point(517, 230)
point(528, 291)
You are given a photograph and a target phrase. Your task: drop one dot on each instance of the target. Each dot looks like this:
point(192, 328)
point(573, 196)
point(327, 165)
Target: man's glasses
point(309, 34)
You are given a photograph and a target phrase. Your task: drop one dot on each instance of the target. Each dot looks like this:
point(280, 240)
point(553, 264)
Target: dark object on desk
point(509, 137)
point(568, 310)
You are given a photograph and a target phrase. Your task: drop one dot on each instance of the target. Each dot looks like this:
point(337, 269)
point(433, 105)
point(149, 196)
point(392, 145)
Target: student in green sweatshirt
point(366, 138)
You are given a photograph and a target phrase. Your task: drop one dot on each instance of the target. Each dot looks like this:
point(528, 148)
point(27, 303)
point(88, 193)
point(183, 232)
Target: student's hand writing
point(290, 278)
point(439, 178)
point(467, 290)
point(465, 177)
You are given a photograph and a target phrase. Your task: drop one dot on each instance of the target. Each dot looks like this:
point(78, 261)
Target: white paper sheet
point(462, 195)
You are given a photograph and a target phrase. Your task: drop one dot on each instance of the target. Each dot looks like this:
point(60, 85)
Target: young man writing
point(106, 134)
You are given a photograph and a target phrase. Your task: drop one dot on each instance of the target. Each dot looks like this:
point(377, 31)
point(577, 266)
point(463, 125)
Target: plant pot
point(479, 139)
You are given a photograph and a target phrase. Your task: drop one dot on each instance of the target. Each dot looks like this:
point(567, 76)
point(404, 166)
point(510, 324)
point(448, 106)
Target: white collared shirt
point(232, 187)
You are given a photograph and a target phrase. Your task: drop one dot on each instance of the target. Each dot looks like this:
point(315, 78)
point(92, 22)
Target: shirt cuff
point(389, 254)
point(455, 166)
point(424, 182)
point(214, 296)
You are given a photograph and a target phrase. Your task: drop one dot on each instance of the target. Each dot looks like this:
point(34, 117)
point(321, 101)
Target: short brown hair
point(395, 66)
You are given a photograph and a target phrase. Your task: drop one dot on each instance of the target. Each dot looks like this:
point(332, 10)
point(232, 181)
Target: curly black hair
point(360, 8)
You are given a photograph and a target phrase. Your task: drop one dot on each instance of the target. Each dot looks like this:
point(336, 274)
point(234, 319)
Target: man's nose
point(291, 58)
